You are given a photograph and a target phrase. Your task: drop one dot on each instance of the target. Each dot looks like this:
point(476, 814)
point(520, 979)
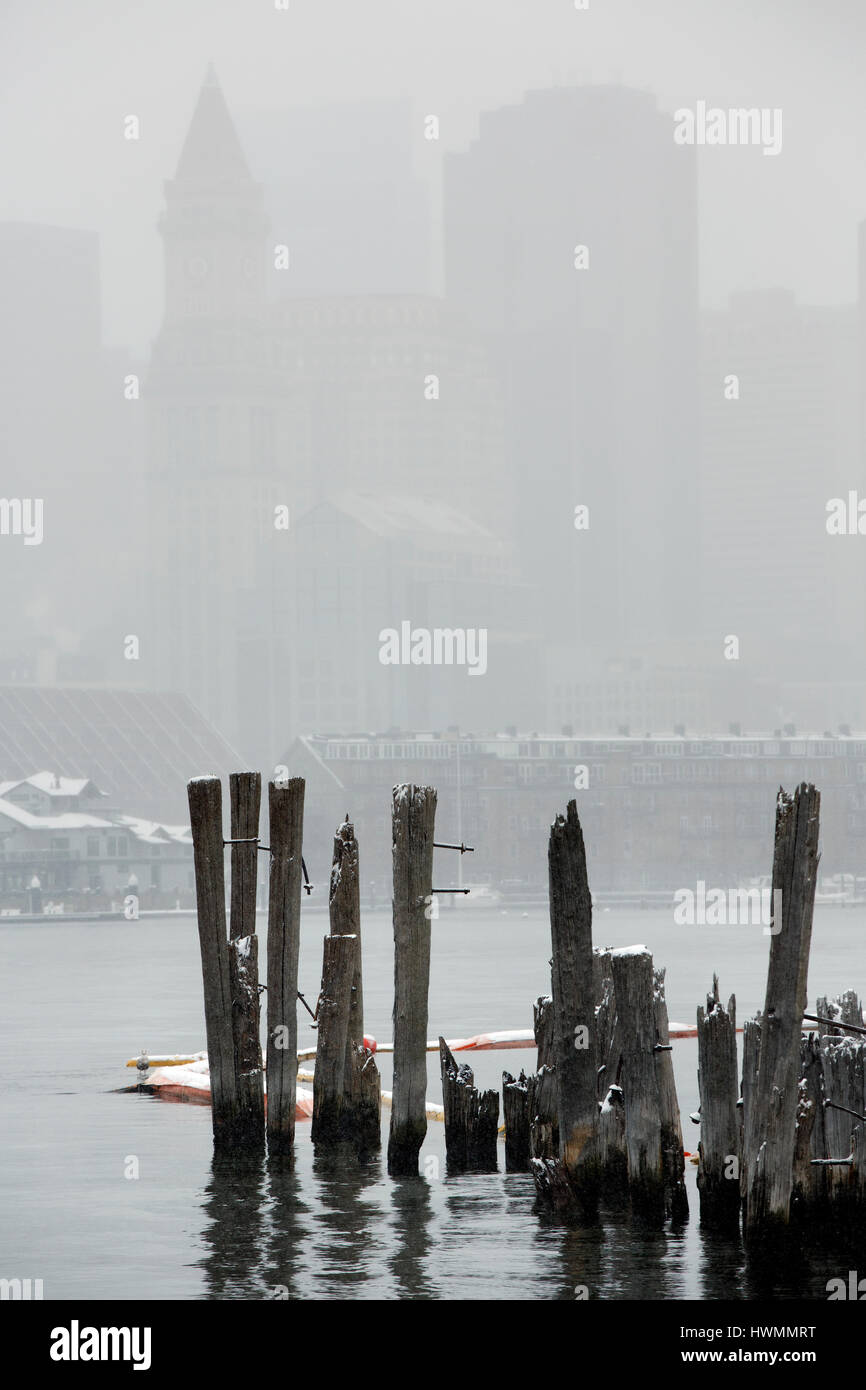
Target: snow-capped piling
point(205, 810)
point(335, 1002)
point(574, 1044)
point(412, 819)
point(285, 834)
point(362, 1091)
point(245, 792)
point(771, 1105)
point(719, 1147)
point(471, 1118)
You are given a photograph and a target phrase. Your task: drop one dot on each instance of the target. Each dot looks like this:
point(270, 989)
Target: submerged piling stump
point(362, 1098)
point(719, 1147)
point(471, 1118)
point(329, 1077)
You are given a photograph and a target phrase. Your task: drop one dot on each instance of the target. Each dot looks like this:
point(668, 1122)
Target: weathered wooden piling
point(285, 832)
point(205, 811)
point(770, 1118)
point(471, 1118)
point(635, 1040)
point(362, 1099)
point(335, 1002)
point(542, 1100)
point(673, 1157)
point(412, 821)
point(574, 1042)
point(719, 1147)
point(245, 790)
point(515, 1110)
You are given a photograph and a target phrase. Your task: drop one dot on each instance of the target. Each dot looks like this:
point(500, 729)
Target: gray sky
point(70, 73)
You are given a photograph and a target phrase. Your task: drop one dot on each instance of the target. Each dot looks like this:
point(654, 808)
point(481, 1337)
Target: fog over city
point(392, 383)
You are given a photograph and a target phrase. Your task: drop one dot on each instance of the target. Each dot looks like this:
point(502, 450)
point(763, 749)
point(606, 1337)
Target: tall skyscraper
point(571, 244)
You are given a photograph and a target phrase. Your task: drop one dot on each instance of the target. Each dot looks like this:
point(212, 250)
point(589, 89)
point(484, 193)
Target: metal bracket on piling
point(834, 1105)
point(450, 890)
point(464, 849)
point(833, 1023)
point(832, 1162)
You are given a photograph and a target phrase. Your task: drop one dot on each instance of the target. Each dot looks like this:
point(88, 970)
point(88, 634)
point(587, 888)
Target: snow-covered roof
point(67, 820)
point(52, 784)
point(153, 833)
point(416, 516)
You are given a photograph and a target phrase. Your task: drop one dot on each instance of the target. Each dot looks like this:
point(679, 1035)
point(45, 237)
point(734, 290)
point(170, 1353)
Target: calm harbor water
point(76, 1000)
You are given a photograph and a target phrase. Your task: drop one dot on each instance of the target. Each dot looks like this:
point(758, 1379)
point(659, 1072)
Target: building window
point(93, 846)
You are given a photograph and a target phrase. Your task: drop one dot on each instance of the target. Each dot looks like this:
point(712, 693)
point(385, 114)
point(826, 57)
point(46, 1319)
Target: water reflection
point(411, 1211)
point(346, 1243)
point(233, 1204)
point(286, 1230)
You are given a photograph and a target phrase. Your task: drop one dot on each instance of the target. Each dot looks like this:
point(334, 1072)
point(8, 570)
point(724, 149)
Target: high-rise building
point(571, 245)
point(780, 429)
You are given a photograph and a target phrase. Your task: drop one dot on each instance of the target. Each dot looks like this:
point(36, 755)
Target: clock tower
point(214, 225)
point(221, 452)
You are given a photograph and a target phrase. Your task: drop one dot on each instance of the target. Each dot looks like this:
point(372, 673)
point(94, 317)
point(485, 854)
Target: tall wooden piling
point(335, 1002)
point(635, 1040)
point(719, 1147)
point(361, 1111)
point(245, 790)
point(285, 832)
point(205, 812)
point(770, 1121)
point(574, 1042)
point(471, 1118)
point(412, 819)
point(673, 1157)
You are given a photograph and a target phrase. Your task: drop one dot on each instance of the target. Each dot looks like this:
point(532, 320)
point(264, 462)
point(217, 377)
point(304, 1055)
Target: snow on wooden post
point(471, 1118)
point(574, 1045)
point(412, 819)
point(634, 1042)
point(770, 1121)
point(335, 1002)
point(361, 1082)
point(285, 836)
point(719, 1147)
point(206, 825)
point(245, 790)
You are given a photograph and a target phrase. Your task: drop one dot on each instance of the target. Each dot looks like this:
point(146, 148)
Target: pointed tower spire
point(212, 151)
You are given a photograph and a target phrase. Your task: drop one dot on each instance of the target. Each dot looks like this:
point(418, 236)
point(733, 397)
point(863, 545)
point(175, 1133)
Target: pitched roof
point(138, 747)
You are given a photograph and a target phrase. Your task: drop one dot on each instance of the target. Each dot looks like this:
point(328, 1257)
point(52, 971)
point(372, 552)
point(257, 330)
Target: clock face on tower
point(197, 268)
